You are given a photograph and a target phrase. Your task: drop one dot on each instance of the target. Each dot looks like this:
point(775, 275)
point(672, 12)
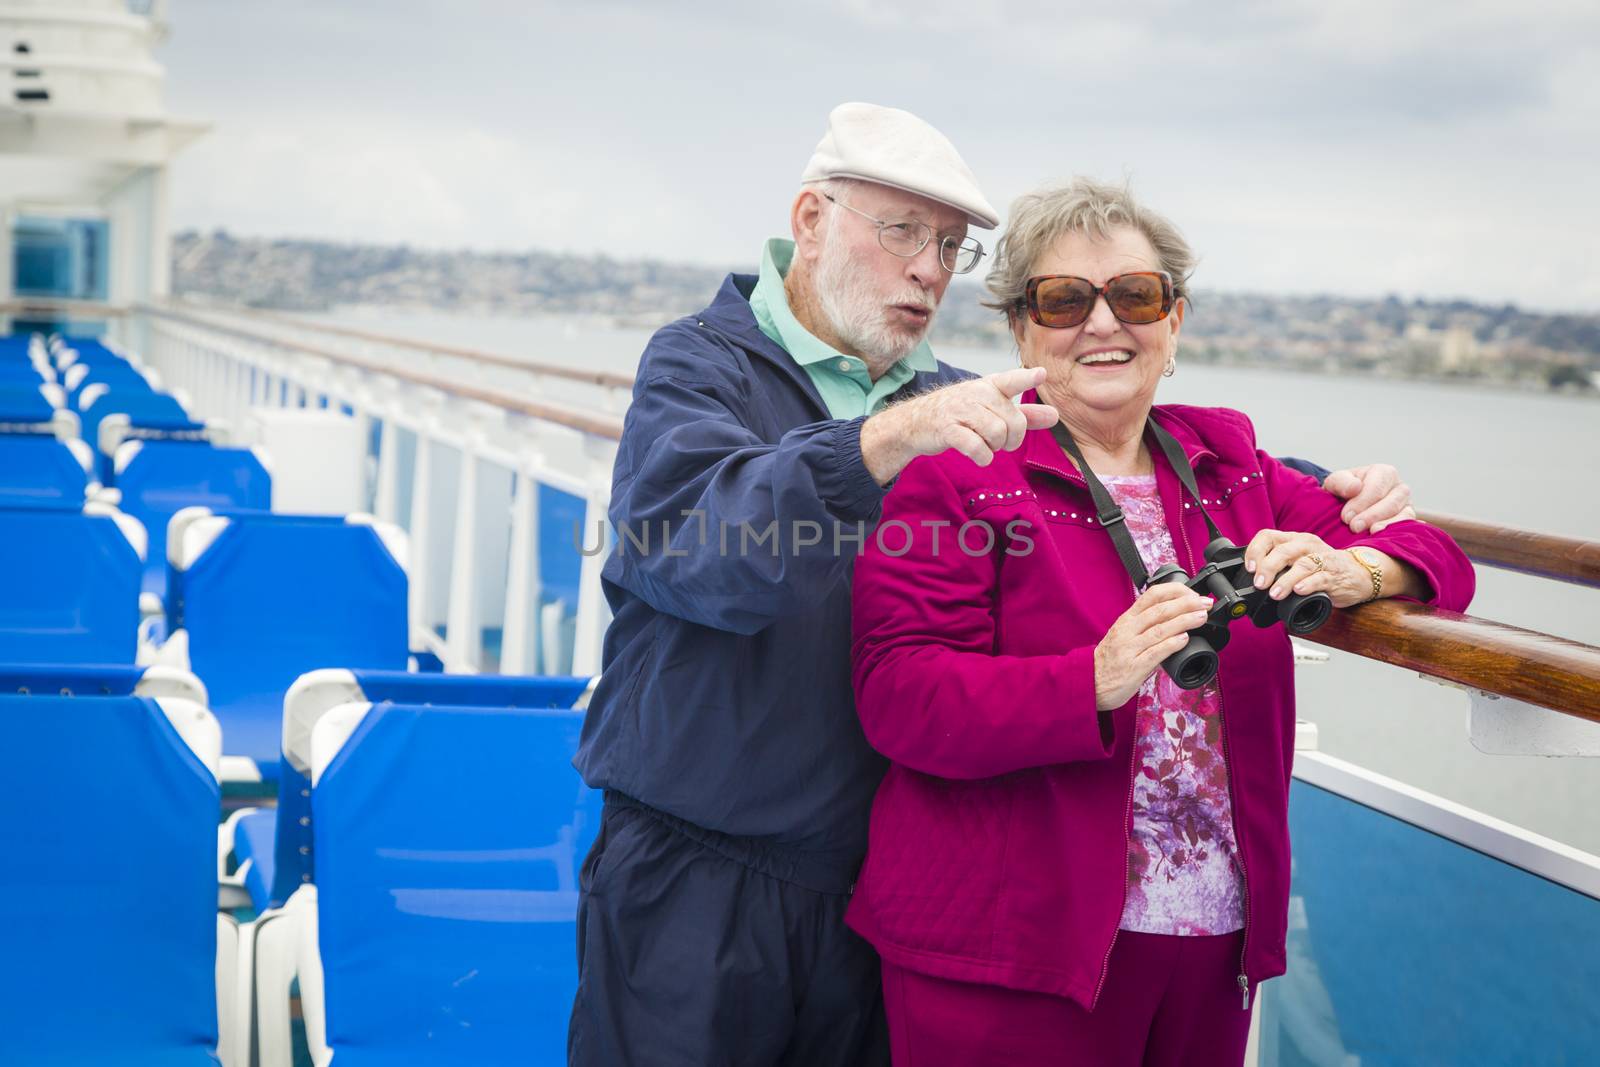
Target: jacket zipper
point(1233, 808)
point(1127, 815)
point(1238, 840)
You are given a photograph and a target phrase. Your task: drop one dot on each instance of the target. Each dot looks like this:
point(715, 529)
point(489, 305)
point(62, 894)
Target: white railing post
point(224, 409)
point(462, 641)
point(241, 395)
point(213, 394)
point(386, 504)
point(363, 416)
point(195, 357)
point(550, 617)
point(204, 379)
point(421, 502)
point(593, 614)
point(522, 577)
point(224, 386)
point(219, 384)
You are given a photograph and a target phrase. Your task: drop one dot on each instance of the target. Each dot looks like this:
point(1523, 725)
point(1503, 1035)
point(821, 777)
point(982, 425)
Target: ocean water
point(1523, 459)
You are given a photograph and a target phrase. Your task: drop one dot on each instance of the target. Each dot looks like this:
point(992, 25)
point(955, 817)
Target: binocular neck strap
point(1180, 463)
point(1110, 515)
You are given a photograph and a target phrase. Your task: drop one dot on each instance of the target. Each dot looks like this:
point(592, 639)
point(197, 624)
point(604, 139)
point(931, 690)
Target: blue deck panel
point(1407, 948)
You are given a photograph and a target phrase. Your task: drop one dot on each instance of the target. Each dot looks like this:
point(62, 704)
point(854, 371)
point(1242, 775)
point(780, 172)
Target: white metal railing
point(515, 441)
point(560, 384)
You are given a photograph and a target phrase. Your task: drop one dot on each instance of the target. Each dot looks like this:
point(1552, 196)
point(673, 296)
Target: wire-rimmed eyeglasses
point(908, 237)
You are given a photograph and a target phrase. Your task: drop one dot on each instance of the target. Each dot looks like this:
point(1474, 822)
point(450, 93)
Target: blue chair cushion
point(110, 938)
point(471, 690)
point(70, 586)
point(116, 374)
point(20, 399)
point(295, 851)
point(448, 843)
point(38, 470)
point(168, 476)
point(276, 596)
point(134, 402)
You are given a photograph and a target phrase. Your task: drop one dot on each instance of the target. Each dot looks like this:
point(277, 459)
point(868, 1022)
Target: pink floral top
point(1183, 875)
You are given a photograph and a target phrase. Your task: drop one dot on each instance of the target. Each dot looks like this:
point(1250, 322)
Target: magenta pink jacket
point(998, 848)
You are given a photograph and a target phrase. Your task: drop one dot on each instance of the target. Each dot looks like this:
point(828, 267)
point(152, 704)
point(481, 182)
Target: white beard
point(860, 317)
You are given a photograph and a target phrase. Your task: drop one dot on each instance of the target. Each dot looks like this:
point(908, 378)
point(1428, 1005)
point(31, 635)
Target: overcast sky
point(1425, 148)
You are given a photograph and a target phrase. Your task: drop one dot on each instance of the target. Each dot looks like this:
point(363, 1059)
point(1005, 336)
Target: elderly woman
point(1072, 859)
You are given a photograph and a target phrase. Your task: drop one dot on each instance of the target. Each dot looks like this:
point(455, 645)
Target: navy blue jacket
point(725, 696)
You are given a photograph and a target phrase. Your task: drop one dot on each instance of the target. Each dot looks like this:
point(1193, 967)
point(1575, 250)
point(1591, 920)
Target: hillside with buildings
point(1389, 337)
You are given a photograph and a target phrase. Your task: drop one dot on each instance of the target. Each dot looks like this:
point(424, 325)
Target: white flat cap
point(895, 148)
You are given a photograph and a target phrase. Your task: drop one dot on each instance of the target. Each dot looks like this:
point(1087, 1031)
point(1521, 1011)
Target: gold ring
point(1315, 559)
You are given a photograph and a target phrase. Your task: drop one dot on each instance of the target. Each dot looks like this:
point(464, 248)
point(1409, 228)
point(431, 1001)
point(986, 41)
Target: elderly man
point(754, 461)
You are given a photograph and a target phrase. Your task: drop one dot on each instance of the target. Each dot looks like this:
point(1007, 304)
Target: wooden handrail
point(1551, 672)
point(1565, 559)
point(598, 425)
point(50, 305)
point(600, 378)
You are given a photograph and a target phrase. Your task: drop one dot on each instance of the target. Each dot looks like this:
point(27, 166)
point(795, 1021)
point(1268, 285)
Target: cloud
point(397, 182)
point(1429, 148)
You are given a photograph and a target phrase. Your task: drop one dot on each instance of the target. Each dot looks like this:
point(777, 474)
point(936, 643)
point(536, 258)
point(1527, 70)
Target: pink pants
point(1167, 1001)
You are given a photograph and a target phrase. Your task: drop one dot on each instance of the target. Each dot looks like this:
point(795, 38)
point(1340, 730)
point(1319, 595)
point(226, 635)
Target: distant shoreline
point(1416, 340)
point(371, 316)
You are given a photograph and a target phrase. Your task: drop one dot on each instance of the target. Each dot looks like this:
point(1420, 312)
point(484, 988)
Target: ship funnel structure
point(85, 143)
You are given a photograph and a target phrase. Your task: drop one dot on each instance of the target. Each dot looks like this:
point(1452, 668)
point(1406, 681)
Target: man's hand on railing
point(1374, 495)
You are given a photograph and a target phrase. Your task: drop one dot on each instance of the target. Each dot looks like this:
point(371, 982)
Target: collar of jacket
point(1040, 451)
point(730, 316)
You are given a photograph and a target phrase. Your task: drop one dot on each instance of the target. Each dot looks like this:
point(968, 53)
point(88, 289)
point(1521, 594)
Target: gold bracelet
point(1372, 569)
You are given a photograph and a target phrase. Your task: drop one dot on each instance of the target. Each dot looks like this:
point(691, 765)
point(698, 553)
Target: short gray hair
point(831, 187)
point(1039, 219)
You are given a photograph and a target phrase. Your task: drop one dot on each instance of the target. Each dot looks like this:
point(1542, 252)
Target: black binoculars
point(1232, 588)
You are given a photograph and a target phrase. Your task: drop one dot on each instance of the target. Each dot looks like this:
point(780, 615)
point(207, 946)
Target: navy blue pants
point(697, 949)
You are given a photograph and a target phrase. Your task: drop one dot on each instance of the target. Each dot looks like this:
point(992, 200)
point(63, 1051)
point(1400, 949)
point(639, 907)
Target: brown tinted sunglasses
point(1058, 301)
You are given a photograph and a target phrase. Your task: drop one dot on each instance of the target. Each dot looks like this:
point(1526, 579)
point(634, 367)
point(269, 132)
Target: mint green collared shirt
point(846, 385)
